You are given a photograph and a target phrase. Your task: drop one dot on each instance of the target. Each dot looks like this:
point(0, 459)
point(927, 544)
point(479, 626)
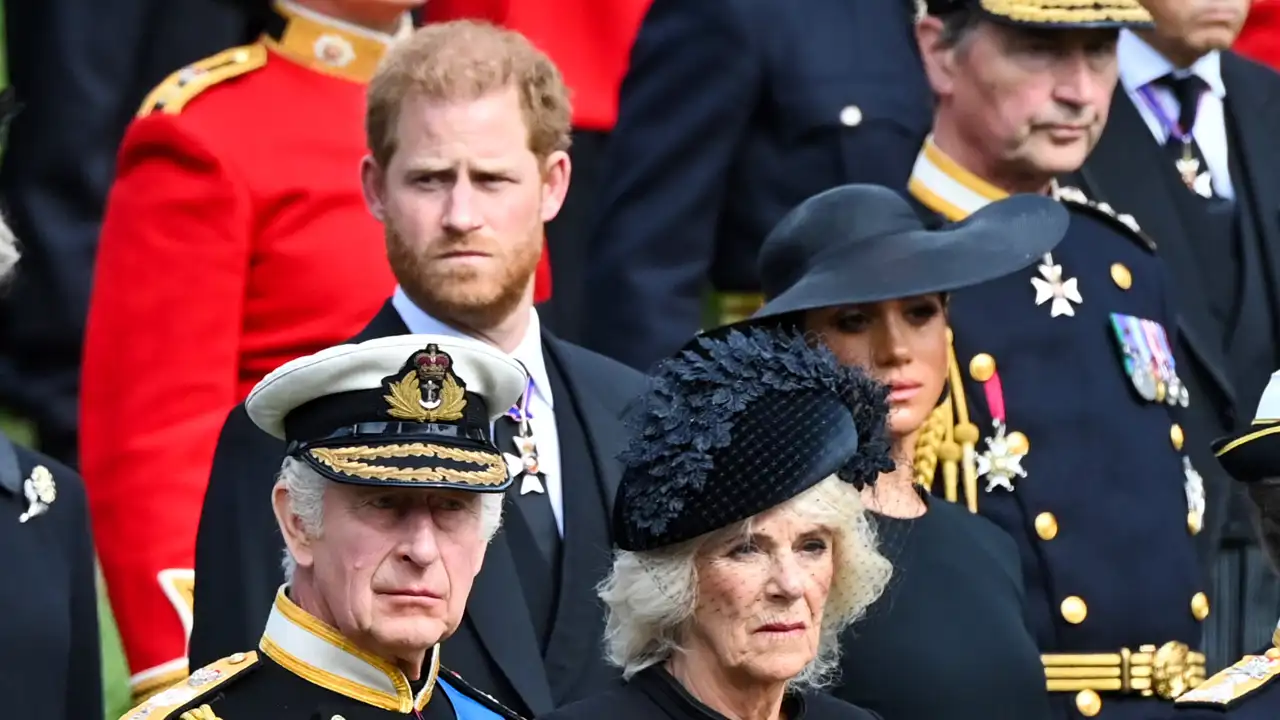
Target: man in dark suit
point(733, 112)
point(1191, 151)
point(463, 186)
point(80, 70)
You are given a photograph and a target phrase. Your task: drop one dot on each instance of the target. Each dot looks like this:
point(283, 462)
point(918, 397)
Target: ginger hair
point(466, 60)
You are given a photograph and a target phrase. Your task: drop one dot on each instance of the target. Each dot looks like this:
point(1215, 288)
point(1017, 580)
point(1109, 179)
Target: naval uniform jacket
point(1102, 516)
point(304, 669)
point(653, 694)
point(239, 546)
point(49, 644)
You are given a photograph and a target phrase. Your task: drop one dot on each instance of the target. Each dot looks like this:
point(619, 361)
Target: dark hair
point(957, 25)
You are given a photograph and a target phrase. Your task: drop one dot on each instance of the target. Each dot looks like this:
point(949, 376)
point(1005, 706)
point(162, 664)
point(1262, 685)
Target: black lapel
point(1254, 110)
point(1128, 170)
point(387, 323)
point(604, 431)
point(587, 548)
point(496, 613)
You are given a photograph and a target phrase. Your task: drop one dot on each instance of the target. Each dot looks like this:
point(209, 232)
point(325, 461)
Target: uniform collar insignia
point(948, 189)
point(330, 46)
point(307, 647)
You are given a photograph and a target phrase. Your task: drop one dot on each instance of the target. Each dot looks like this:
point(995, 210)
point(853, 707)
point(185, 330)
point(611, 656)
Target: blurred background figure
point(49, 644)
point(80, 71)
point(590, 42)
point(1260, 38)
point(1191, 151)
point(743, 550)
point(235, 238)
point(731, 113)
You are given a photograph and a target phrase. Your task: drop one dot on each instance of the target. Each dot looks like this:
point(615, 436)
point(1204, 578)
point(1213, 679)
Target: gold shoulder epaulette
point(947, 439)
point(179, 88)
point(165, 705)
point(1234, 684)
point(1075, 199)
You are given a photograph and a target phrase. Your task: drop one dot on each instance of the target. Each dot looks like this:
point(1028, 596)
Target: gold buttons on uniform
point(1088, 703)
point(237, 658)
point(1074, 610)
point(1046, 526)
point(1017, 443)
point(1176, 436)
point(1273, 654)
point(982, 367)
point(851, 116)
point(1200, 606)
point(1121, 275)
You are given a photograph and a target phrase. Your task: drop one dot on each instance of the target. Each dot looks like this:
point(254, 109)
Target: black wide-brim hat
point(742, 423)
point(1054, 14)
point(404, 411)
point(858, 244)
point(1254, 455)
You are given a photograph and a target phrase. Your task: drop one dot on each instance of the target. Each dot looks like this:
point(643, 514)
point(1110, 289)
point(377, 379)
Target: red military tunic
point(1260, 38)
point(236, 238)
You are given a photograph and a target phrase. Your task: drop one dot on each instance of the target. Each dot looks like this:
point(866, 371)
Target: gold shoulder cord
point(949, 437)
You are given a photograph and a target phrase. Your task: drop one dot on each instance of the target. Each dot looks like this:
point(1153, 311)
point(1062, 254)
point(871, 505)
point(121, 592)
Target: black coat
point(238, 552)
point(732, 113)
point(654, 695)
point(49, 645)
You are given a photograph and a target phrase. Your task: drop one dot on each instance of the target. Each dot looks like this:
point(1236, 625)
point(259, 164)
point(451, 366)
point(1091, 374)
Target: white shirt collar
point(1141, 65)
point(528, 352)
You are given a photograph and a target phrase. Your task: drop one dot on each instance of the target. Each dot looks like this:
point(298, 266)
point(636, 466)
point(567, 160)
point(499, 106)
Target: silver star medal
point(1053, 289)
point(525, 465)
point(999, 464)
point(40, 492)
point(1194, 487)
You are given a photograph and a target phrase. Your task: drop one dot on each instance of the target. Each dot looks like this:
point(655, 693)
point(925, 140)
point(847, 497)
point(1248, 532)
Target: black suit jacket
point(239, 548)
point(81, 69)
point(731, 114)
point(1130, 170)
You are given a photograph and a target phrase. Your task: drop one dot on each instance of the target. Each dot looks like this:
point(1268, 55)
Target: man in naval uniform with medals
point(388, 496)
point(1060, 425)
point(1248, 689)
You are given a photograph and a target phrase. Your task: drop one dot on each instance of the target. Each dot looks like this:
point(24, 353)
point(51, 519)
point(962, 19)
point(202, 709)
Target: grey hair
point(9, 251)
point(1265, 495)
point(651, 596)
point(306, 489)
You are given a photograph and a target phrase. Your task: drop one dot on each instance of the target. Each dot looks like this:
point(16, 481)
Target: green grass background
point(115, 671)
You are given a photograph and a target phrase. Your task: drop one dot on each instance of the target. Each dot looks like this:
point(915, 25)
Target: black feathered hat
point(741, 422)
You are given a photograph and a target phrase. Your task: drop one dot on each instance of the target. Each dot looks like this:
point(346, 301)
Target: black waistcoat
point(573, 658)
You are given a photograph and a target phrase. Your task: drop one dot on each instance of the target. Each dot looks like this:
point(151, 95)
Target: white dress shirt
point(541, 405)
point(1141, 65)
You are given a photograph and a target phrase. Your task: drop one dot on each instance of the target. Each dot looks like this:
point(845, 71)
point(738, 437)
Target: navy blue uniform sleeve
point(685, 104)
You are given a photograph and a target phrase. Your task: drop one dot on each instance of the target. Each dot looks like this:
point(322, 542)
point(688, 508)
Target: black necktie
point(535, 507)
point(1181, 146)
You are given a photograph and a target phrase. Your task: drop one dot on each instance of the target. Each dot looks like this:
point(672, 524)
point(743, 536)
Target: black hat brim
point(1000, 239)
point(1251, 456)
point(409, 462)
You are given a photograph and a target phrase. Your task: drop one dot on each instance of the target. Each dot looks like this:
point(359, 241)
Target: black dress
point(653, 694)
point(948, 640)
point(49, 646)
